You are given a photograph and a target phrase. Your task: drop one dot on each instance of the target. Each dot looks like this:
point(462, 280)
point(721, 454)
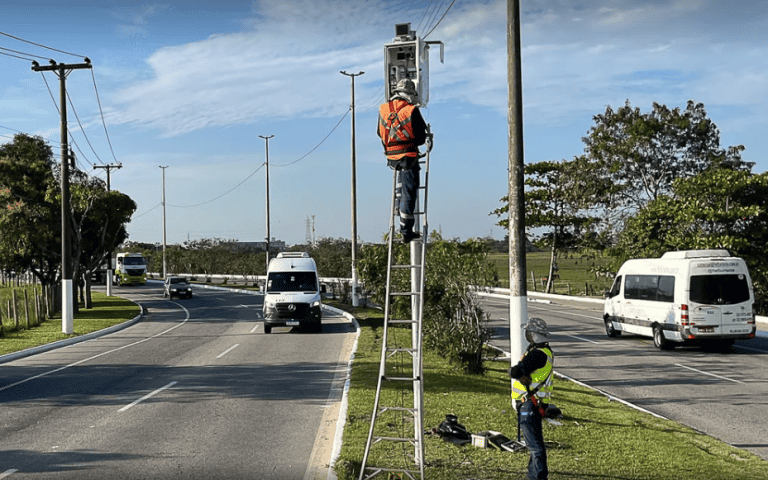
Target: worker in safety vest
point(402, 130)
point(532, 392)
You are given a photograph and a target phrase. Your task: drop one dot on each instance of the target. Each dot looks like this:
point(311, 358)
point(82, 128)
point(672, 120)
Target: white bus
point(692, 296)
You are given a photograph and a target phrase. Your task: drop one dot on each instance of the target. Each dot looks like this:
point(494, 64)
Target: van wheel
point(659, 341)
point(267, 328)
point(610, 331)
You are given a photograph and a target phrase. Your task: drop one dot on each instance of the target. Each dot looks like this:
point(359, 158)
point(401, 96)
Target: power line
point(223, 194)
point(41, 45)
point(98, 100)
point(15, 56)
point(318, 145)
point(138, 216)
point(82, 129)
point(441, 18)
point(433, 15)
point(426, 12)
point(23, 53)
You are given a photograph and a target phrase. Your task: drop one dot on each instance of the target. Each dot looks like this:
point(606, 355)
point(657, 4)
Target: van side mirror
point(607, 294)
point(322, 288)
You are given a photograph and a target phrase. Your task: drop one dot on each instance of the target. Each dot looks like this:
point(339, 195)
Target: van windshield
point(133, 261)
point(292, 282)
point(719, 289)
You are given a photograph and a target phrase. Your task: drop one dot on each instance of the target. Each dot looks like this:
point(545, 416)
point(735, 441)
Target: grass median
point(106, 312)
point(598, 439)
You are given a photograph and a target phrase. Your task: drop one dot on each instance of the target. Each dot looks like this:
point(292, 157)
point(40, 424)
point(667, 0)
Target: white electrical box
point(408, 57)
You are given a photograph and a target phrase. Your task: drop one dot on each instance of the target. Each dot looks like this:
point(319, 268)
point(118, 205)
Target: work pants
point(410, 180)
point(530, 425)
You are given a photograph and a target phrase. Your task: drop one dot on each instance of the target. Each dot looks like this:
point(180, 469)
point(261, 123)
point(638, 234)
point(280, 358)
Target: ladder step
point(397, 409)
point(406, 266)
point(401, 322)
point(395, 439)
point(403, 294)
point(401, 379)
point(404, 350)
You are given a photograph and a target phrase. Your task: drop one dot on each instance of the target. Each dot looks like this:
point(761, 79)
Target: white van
point(292, 294)
point(691, 296)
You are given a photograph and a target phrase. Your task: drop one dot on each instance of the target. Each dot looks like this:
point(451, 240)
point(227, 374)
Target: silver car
point(177, 286)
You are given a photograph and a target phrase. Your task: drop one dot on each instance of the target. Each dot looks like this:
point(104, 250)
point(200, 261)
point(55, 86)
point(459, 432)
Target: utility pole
point(266, 140)
point(165, 271)
point(518, 308)
point(62, 70)
point(355, 301)
point(109, 256)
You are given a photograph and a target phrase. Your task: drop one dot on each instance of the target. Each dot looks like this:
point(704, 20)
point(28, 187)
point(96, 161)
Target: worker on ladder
point(532, 392)
point(402, 130)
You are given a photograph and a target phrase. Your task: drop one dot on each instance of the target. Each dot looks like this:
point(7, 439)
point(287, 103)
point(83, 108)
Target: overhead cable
point(98, 100)
point(318, 145)
point(223, 194)
point(441, 19)
point(41, 45)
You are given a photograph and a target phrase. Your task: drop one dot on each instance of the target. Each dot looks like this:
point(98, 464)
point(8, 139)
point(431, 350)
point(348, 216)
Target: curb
point(342, 420)
point(10, 357)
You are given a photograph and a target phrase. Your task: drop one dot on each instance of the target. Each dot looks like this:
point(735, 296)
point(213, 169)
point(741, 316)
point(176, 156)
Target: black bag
point(451, 430)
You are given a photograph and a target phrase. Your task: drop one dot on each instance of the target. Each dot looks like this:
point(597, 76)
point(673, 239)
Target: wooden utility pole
point(62, 70)
point(518, 308)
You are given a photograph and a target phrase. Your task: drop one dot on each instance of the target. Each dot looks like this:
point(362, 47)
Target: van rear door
point(720, 304)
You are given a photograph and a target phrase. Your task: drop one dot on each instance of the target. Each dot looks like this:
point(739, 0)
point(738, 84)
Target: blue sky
point(192, 86)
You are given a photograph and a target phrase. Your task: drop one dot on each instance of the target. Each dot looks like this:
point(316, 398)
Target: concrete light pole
point(108, 168)
point(266, 140)
point(355, 300)
point(165, 271)
point(518, 308)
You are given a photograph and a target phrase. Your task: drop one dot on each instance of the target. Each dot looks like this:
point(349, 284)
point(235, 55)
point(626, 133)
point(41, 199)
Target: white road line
point(255, 327)
point(228, 350)
point(578, 338)
point(710, 374)
point(149, 395)
point(99, 355)
point(8, 473)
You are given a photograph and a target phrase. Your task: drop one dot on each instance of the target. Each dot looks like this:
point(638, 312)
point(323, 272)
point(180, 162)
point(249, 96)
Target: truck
point(130, 268)
point(684, 297)
point(293, 294)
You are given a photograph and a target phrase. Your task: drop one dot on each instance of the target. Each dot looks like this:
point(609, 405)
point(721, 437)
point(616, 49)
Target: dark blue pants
point(530, 424)
point(410, 180)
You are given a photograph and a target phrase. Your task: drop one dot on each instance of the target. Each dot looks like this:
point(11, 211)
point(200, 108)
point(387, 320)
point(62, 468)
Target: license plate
point(741, 330)
point(292, 323)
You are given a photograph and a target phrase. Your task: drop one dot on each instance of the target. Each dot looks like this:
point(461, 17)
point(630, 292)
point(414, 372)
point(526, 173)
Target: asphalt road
point(722, 395)
point(195, 390)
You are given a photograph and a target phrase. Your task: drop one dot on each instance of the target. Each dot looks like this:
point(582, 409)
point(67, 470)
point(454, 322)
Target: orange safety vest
point(396, 129)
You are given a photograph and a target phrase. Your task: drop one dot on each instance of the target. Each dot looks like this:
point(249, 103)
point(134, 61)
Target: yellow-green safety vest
point(542, 376)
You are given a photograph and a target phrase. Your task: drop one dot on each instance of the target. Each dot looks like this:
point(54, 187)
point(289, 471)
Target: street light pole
point(266, 140)
point(355, 300)
point(108, 169)
point(165, 271)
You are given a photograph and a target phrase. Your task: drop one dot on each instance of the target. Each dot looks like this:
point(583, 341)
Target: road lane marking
point(98, 355)
point(149, 395)
point(255, 327)
point(8, 473)
point(228, 350)
point(578, 338)
point(710, 374)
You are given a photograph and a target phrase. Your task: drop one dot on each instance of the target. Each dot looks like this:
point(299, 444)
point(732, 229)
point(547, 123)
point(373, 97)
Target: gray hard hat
point(406, 86)
point(537, 325)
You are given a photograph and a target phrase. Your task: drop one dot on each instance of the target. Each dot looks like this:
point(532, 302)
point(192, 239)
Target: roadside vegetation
point(106, 312)
point(597, 439)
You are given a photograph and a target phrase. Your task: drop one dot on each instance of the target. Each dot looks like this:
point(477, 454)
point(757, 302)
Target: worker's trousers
point(530, 424)
point(409, 194)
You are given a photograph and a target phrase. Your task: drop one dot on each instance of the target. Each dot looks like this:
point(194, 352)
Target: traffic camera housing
point(408, 57)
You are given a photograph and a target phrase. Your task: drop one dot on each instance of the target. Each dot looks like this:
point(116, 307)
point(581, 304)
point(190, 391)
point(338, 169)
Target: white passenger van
point(292, 294)
point(692, 296)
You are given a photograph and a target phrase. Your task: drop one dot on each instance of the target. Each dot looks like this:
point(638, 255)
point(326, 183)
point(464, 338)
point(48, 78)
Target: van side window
point(655, 288)
point(616, 288)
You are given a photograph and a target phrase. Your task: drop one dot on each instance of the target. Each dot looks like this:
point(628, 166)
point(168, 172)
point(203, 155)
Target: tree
point(721, 207)
point(640, 155)
point(558, 196)
point(29, 214)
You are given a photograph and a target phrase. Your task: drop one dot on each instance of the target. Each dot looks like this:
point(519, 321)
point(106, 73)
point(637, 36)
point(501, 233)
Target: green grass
point(598, 439)
point(574, 272)
point(107, 311)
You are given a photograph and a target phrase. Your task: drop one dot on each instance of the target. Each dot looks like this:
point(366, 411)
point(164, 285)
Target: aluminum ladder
point(400, 370)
